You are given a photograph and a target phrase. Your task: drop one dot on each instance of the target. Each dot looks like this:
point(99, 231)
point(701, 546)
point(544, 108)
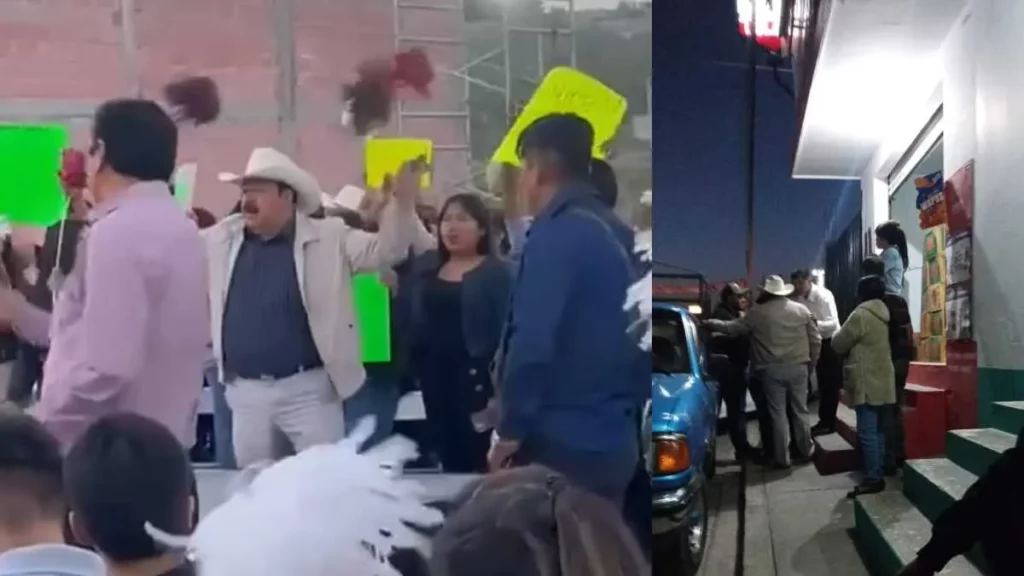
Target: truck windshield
point(669, 347)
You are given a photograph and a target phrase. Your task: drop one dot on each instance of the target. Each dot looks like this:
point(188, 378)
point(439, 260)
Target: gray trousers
point(303, 407)
point(787, 384)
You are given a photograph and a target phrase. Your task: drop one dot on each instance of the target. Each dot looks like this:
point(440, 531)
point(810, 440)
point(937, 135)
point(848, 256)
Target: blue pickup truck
point(680, 422)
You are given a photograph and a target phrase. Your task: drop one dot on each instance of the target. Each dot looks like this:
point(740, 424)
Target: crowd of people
point(528, 370)
point(794, 328)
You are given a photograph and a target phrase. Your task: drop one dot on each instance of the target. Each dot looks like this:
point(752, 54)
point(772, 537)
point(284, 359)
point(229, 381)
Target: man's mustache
point(250, 207)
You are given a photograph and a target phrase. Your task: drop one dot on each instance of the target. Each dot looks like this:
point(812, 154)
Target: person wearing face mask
point(129, 322)
point(458, 295)
point(283, 324)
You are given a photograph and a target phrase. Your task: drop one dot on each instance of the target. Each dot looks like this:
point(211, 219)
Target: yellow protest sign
point(385, 156)
point(568, 90)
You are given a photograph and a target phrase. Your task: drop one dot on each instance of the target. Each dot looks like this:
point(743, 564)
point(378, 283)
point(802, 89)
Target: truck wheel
point(681, 551)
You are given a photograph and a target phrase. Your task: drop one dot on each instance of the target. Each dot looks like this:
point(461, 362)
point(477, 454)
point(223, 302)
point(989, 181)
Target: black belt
point(269, 377)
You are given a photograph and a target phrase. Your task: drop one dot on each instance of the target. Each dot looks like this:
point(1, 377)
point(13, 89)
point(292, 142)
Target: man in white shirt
point(829, 370)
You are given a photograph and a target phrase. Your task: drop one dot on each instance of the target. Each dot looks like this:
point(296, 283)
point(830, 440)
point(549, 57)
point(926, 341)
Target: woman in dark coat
point(459, 297)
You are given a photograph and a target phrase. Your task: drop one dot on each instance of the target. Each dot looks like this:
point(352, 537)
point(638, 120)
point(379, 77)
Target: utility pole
point(751, 140)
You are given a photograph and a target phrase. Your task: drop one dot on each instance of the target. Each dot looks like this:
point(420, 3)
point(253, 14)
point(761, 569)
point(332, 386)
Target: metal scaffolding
point(406, 37)
point(512, 34)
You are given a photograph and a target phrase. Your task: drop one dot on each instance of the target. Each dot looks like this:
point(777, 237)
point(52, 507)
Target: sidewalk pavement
point(796, 522)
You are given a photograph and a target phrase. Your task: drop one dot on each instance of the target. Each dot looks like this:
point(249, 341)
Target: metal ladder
point(405, 38)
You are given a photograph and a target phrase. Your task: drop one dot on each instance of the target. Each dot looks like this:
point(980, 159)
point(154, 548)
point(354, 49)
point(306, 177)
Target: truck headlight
point(672, 454)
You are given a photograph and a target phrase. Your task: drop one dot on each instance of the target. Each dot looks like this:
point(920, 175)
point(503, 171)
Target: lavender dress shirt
point(130, 324)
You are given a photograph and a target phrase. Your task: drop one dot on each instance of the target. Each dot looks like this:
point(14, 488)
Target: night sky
point(700, 133)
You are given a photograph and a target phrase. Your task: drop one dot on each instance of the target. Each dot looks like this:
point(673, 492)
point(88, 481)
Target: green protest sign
point(30, 157)
point(373, 316)
point(184, 183)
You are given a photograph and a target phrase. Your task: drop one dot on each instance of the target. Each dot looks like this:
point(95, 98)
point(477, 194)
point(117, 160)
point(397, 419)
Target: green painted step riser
point(878, 556)
point(929, 498)
point(970, 456)
point(932, 501)
point(1007, 419)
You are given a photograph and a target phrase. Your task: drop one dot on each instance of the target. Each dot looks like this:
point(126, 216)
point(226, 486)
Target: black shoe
point(867, 487)
point(801, 460)
point(744, 453)
point(892, 470)
point(760, 458)
point(820, 429)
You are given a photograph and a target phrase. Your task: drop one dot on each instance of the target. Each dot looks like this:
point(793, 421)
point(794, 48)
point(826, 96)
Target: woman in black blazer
point(459, 296)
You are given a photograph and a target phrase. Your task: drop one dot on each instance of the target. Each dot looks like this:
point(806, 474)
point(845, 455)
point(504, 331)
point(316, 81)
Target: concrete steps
point(1008, 416)
point(975, 450)
point(889, 532)
point(933, 484)
point(891, 527)
point(834, 455)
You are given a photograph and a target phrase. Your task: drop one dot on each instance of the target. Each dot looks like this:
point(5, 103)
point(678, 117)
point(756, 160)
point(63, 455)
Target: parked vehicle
point(680, 426)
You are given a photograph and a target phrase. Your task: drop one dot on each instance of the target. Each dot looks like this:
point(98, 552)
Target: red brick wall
point(71, 50)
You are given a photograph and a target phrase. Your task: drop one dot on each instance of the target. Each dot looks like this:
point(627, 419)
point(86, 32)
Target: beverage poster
point(932, 338)
point(959, 201)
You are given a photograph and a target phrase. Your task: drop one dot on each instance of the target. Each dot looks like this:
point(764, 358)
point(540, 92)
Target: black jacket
point(991, 512)
point(901, 329)
point(47, 261)
point(737, 348)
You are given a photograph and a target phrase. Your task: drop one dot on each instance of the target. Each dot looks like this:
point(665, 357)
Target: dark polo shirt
point(266, 329)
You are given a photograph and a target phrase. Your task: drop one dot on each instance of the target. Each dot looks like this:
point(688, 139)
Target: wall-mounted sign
point(763, 20)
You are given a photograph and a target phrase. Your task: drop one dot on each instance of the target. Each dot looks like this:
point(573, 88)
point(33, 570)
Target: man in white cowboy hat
point(283, 325)
point(784, 343)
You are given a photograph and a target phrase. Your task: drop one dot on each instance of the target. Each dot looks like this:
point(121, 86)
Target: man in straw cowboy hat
point(283, 326)
point(784, 342)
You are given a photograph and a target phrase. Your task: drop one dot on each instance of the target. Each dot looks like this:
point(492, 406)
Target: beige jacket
point(782, 332)
point(327, 254)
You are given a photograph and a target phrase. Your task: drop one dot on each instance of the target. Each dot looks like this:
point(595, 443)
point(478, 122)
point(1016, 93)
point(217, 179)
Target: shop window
point(925, 251)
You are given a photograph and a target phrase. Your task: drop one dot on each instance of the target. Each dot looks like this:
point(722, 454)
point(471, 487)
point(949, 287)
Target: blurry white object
point(326, 201)
point(639, 295)
point(349, 198)
point(647, 198)
point(410, 407)
point(329, 510)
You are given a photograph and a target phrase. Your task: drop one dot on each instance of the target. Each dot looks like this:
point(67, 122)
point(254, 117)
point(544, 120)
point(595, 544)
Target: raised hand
point(406, 184)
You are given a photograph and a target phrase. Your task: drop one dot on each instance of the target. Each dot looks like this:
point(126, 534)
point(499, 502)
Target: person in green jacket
point(868, 376)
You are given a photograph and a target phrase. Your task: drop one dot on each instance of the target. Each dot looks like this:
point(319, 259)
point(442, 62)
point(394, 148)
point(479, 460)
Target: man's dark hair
point(800, 274)
point(568, 138)
point(872, 266)
point(125, 471)
point(602, 177)
point(870, 288)
point(31, 487)
point(140, 140)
